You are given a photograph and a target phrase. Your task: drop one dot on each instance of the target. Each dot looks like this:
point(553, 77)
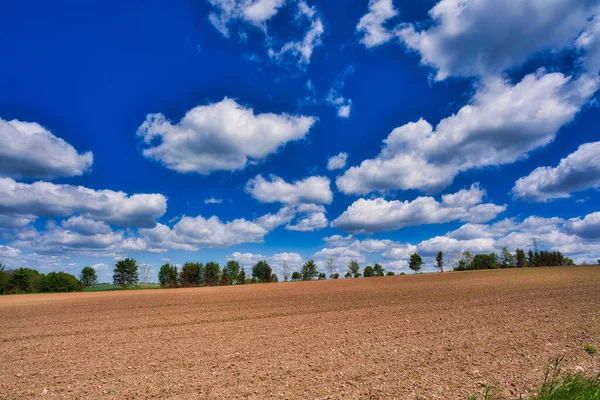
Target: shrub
point(296, 276)
point(591, 350)
point(335, 275)
point(274, 278)
point(390, 273)
point(369, 272)
point(322, 276)
point(378, 269)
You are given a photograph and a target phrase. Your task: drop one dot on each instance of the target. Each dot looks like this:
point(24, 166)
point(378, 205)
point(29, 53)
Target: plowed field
point(428, 336)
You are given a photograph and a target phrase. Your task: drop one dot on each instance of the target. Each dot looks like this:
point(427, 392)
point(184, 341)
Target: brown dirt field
point(434, 336)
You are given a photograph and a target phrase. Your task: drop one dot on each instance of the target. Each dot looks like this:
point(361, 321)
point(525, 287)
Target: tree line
point(27, 280)
point(191, 274)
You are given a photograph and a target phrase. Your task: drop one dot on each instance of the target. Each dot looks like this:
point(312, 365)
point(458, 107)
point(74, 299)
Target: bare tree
point(145, 273)
point(330, 266)
point(286, 271)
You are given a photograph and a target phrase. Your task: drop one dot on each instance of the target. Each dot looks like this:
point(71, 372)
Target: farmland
point(421, 336)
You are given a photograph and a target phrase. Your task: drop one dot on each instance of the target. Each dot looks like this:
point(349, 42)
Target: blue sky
point(364, 132)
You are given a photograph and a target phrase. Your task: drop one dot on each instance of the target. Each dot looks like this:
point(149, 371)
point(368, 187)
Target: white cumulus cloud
point(372, 25)
point(44, 199)
point(376, 215)
point(223, 136)
point(314, 189)
point(576, 172)
point(31, 151)
point(501, 125)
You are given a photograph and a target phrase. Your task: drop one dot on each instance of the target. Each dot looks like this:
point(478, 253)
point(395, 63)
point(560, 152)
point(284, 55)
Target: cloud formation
point(314, 189)
point(44, 199)
point(29, 150)
point(501, 125)
point(223, 136)
point(576, 172)
point(337, 162)
point(256, 13)
point(378, 215)
point(372, 25)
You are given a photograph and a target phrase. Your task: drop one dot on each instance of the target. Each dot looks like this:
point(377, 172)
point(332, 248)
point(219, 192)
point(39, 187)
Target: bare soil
point(434, 336)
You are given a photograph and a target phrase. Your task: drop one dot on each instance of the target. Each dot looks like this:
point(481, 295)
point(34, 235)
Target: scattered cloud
point(483, 38)
point(314, 189)
point(312, 217)
point(372, 25)
point(337, 162)
point(212, 200)
point(31, 151)
point(256, 13)
point(587, 228)
point(223, 136)
point(377, 215)
point(335, 99)
point(44, 199)
point(576, 172)
point(503, 123)
point(303, 49)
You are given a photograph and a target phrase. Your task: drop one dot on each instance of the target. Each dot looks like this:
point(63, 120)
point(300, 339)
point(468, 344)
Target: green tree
point(530, 258)
point(125, 272)
point(21, 280)
point(309, 270)
point(233, 271)
point(212, 273)
point(379, 271)
point(348, 275)
point(354, 269)
point(274, 278)
point(508, 260)
point(4, 277)
point(335, 275)
point(262, 271)
point(390, 273)
point(485, 261)
point(322, 276)
point(241, 278)
point(296, 276)
point(465, 262)
point(521, 258)
point(59, 282)
point(88, 277)
point(191, 274)
point(569, 261)
point(439, 261)
point(415, 262)
point(369, 272)
point(225, 278)
point(167, 275)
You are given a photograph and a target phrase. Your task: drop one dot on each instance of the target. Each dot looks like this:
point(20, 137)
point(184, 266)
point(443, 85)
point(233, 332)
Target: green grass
point(559, 385)
point(591, 350)
point(102, 287)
